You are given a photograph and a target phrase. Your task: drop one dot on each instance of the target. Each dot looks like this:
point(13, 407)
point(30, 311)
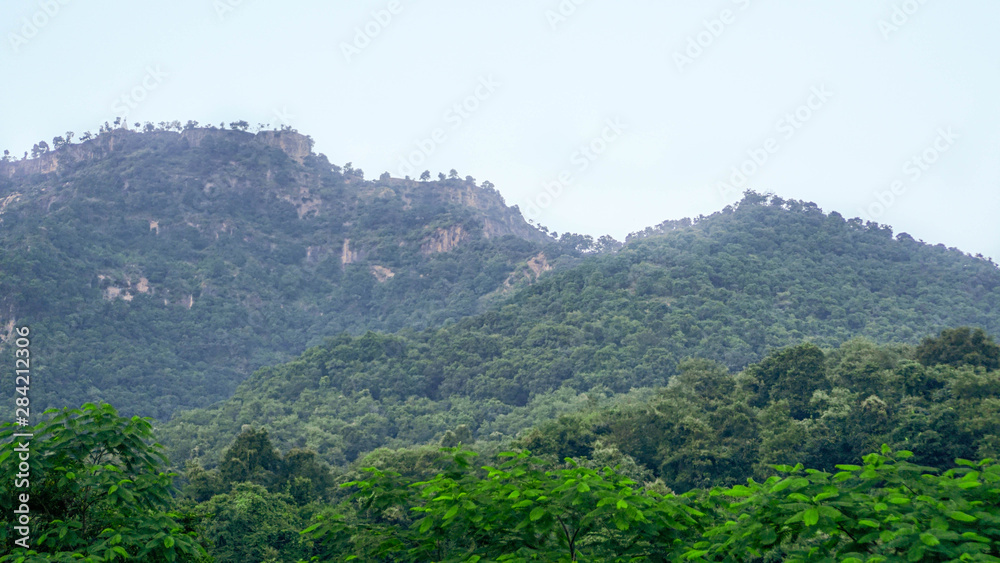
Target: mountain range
point(323, 355)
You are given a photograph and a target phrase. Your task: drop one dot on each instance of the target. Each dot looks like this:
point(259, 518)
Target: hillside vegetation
point(406, 371)
point(711, 468)
point(728, 288)
point(160, 269)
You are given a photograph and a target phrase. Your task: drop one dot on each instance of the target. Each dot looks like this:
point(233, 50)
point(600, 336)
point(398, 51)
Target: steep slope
point(729, 287)
point(157, 270)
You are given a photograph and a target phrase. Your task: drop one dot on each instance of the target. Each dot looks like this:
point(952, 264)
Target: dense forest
point(179, 263)
point(799, 457)
point(392, 370)
point(728, 288)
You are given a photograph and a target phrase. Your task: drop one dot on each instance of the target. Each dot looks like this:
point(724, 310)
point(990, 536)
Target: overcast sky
point(593, 116)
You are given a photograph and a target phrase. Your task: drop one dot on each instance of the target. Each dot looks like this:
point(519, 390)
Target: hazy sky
point(592, 116)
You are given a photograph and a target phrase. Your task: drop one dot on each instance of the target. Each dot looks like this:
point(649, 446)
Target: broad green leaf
point(810, 517)
point(961, 516)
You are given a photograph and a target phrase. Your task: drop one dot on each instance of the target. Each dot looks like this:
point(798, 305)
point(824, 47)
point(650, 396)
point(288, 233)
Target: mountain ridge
point(266, 245)
point(732, 287)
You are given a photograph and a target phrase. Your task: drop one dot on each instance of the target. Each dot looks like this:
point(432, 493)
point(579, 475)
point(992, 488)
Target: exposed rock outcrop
point(7, 329)
point(4, 202)
point(295, 145)
point(529, 272)
point(304, 202)
point(125, 291)
point(444, 240)
point(382, 273)
point(348, 256)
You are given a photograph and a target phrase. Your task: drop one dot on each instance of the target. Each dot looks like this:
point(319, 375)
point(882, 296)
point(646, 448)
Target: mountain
point(360, 324)
point(764, 274)
point(157, 270)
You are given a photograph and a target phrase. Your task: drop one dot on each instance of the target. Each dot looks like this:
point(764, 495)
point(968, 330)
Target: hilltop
point(159, 269)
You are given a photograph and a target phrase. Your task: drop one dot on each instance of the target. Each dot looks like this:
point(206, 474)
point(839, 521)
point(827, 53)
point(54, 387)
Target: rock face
point(539, 264)
point(532, 269)
point(348, 256)
point(293, 144)
point(7, 329)
point(382, 273)
point(443, 240)
point(125, 290)
point(305, 203)
point(4, 202)
point(498, 220)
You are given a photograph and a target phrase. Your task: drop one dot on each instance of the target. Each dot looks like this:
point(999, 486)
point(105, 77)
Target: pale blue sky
point(667, 119)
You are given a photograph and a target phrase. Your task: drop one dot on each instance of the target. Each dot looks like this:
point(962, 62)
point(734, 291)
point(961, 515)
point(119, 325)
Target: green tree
point(98, 491)
point(251, 524)
point(524, 509)
point(887, 509)
point(252, 457)
point(793, 374)
point(960, 346)
point(39, 149)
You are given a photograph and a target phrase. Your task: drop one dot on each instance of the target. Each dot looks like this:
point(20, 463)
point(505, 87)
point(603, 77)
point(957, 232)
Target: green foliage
point(960, 346)
point(709, 427)
point(161, 269)
point(729, 288)
point(251, 524)
point(97, 490)
point(520, 510)
point(887, 509)
point(524, 509)
point(251, 458)
point(792, 374)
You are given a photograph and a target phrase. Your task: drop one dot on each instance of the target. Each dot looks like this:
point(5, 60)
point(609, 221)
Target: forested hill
point(156, 270)
point(764, 274)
